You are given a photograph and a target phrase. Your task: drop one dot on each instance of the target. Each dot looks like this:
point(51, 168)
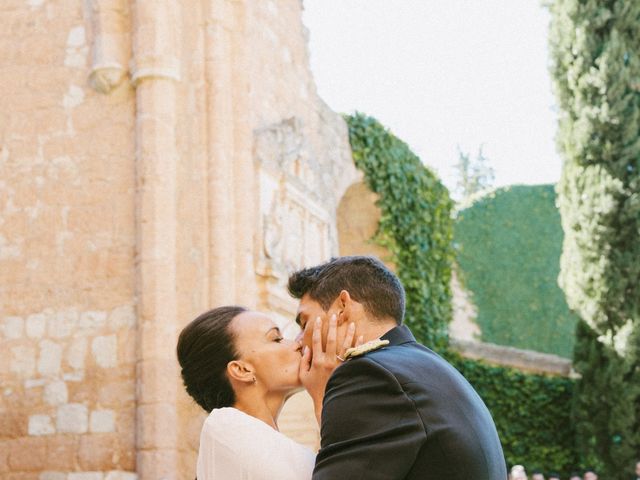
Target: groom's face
point(308, 311)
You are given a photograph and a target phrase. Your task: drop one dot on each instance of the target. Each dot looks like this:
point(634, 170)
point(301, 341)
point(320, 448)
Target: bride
point(239, 368)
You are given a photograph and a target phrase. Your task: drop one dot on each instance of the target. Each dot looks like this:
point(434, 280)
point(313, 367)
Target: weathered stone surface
point(55, 393)
point(99, 189)
point(85, 476)
point(13, 327)
point(123, 316)
point(62, 453)
point(102, 421)
point(77, 353)
point(62, 323)
point(72, 418)
point(28, 454)
point(13, 424)
point(4, 456)
point(105, 351)
point(36, 325)
point(53, 476)
point(23, 361)
point(98, 451)
point(50, 358)
point(40, 425)
point(120, 475)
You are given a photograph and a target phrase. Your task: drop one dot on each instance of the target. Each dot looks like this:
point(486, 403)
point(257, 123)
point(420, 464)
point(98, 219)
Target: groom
point(398, 411)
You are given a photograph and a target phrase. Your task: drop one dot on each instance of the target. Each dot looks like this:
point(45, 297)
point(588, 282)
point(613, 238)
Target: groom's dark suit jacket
point(402, 412)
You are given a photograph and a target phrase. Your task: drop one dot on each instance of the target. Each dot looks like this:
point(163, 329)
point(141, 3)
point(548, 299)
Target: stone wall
point(158, 158)
point(67, 245)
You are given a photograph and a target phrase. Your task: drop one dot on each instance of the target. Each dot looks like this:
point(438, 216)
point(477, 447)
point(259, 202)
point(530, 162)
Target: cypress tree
point(595, 47)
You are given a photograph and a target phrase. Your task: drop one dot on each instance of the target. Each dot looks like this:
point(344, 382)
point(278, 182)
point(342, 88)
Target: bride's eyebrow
point(273, 328)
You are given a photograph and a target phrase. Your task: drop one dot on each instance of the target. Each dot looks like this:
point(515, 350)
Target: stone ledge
point(526, 360)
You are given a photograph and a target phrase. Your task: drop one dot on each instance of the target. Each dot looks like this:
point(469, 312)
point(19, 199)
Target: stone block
point(102, 421)
point(40, 425)
point(4, 456)
point(55, 393)
point(62, 453)
point(34, 382)
point(105, 351)
point(98, 452)
point(157, 463)
point(77, 376)
point(156, 425)
point(23, 361)
point(153, 375)
point(92, 320)
point(52, 476)
point(76, 37)
point(77, 353)
point(86, 476)
point(72, 418)
point(123, 316)
point(36, 325)
point(13, 327)
point(73, 97)
point(50, 358)
point(120, 475)
point(62, 324)
point(22, 476)
point(114, 393)
point(13, 424)
point(28, 454)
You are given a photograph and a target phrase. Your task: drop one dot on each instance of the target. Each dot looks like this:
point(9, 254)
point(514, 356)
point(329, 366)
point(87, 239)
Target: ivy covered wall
point(416, 225)
point(531, 411)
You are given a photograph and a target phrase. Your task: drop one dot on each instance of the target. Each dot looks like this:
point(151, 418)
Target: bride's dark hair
point(205, 347)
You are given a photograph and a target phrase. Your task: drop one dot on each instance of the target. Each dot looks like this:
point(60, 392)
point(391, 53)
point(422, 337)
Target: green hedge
point(595, 66)
point(531, 411)
point(508, 249)
point(606, 405)
point(532, 414)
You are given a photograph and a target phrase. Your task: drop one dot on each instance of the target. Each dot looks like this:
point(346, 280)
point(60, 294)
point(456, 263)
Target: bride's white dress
point(237, 446)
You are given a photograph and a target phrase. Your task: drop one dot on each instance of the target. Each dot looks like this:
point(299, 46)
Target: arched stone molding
point(358, 217)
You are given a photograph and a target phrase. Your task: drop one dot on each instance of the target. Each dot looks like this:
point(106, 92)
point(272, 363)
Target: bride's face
point(274, 359)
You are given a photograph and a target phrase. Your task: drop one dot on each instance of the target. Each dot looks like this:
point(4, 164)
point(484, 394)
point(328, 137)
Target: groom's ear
point(344, 306)
point(240, 372)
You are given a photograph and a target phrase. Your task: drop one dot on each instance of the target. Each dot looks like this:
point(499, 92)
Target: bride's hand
point(317, 365)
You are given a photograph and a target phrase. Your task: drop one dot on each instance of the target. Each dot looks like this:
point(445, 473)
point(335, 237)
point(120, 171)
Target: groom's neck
point(373, 328)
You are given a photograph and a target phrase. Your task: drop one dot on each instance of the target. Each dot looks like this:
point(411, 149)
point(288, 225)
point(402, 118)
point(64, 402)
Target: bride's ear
point(241, 372)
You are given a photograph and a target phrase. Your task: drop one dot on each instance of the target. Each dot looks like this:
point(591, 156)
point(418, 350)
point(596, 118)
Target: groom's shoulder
point(406, 354)
point(410, 362)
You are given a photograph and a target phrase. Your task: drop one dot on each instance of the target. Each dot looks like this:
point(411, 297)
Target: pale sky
point(442, 73)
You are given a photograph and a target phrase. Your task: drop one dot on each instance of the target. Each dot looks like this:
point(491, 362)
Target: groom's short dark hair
point(367, 280)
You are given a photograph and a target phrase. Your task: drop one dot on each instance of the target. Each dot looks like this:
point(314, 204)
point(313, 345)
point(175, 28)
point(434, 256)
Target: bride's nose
point(298, 338)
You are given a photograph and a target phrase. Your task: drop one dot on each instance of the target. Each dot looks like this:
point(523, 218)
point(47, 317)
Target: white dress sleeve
point(236, 446)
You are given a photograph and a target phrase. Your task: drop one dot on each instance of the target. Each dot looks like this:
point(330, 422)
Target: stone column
point(220, 143)
point(155, 72)
point(245, 197)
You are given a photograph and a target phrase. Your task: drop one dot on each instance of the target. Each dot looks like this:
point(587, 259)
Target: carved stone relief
point(297, 227)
